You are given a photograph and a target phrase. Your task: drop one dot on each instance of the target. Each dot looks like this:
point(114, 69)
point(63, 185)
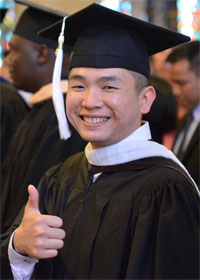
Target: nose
point(92, 98)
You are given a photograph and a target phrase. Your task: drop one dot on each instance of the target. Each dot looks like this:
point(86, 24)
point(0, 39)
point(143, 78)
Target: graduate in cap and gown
point(36, 145)
point(13, 107)
point(125, 208)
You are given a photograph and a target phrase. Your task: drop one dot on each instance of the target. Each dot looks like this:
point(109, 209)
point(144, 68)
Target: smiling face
point(185, 84)
point(103, 105)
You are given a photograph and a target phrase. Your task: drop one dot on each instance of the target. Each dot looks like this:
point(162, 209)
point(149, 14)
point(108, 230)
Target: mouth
point(96, 120)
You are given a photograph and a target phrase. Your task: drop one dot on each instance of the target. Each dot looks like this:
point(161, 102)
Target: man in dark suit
point(185, 77)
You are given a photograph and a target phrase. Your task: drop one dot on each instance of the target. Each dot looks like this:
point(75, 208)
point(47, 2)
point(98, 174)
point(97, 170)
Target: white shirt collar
point(135, 146)
point(119, 152)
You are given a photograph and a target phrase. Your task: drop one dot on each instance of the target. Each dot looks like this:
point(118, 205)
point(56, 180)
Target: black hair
point(189, 51)
point(141, 81)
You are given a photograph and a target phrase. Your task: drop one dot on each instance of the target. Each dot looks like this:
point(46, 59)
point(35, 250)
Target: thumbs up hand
point(38, 235)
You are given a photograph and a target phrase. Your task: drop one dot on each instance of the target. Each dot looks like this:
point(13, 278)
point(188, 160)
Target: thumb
point(33, 198)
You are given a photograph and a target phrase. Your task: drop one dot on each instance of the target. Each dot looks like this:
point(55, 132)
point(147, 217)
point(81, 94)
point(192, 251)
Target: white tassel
point(57, 95)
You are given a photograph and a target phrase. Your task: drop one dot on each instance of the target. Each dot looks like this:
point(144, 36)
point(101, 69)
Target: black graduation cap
point(103, 38)
point(35, 18)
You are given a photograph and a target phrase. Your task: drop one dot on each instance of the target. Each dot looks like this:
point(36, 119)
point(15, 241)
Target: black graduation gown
point(13, 109)
point(35, 147)
point(190, 157)
point(140, 224)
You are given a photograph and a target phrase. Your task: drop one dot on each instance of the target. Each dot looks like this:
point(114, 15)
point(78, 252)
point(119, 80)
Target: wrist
point(16, 243)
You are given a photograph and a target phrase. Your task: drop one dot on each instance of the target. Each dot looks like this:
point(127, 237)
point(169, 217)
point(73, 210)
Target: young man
point(185, 77)
point(127, 206)
point(36, 145)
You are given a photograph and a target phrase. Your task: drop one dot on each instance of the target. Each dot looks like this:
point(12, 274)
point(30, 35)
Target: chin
point(95, 142)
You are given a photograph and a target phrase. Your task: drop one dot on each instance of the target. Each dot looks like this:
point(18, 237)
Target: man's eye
point(78, 86)
point(109, 87)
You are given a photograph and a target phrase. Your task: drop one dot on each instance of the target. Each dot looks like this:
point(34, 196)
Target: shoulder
point(56, 185)
point(164, 173)
point(5, 87)
point(68, 167)
point(167, 189)
point(9, 94)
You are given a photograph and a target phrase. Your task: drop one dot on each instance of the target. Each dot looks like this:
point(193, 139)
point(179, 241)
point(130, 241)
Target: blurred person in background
point(169, 109)
point(36, 144)
point(162, 117)
point(184, 69)
point(13, 107)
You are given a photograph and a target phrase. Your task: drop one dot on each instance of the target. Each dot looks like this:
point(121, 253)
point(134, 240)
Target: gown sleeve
point(166, 237)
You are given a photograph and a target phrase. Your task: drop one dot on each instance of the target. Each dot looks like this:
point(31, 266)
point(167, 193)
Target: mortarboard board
point(103, 38)
point(34, 18)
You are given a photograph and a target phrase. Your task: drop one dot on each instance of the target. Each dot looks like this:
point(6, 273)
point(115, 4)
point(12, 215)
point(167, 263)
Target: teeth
point(95, 120)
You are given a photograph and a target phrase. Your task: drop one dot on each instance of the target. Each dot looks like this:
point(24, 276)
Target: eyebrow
point(76, 77)
point(101, 79)
point(109, 79)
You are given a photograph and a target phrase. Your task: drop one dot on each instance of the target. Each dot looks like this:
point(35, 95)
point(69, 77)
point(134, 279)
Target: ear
point(43, 53)
point(148, 96)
